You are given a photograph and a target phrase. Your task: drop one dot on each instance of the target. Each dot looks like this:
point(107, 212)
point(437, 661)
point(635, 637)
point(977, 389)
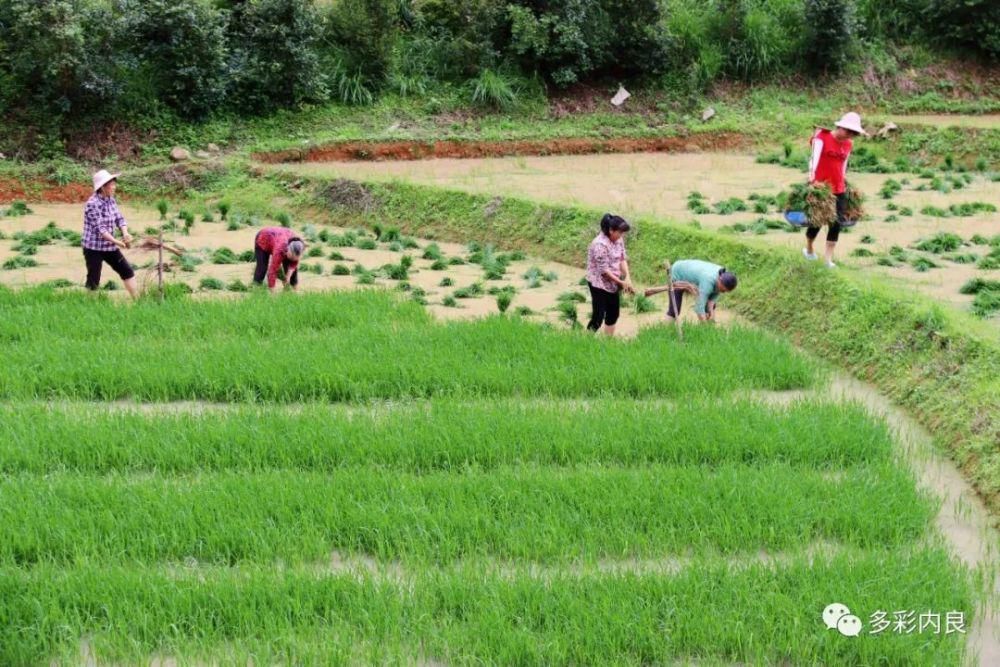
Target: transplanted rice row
point(498, 356)
point(540, 514)
point(440, 435)
point(707, 611)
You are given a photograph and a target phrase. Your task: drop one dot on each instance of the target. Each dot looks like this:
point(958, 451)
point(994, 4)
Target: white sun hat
point(851, 121)
point(102, 178)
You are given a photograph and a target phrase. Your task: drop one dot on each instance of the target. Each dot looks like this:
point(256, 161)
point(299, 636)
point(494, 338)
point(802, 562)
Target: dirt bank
point(42, 191)
point(421, 150)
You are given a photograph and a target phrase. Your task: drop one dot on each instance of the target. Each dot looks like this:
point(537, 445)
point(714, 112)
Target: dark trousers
point(606, 307)
point(676, 298)
point(833, 232)
point(95, 259)
point(264, 260)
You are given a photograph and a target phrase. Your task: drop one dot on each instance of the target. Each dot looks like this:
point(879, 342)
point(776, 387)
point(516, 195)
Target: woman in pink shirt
point(607, 273)
point(277, 247)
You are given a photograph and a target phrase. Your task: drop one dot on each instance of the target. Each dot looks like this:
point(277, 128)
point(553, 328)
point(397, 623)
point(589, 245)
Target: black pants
point(833, 232)
point(606, 307)
point(95, 259)
point(676, 298)
point(264, 260)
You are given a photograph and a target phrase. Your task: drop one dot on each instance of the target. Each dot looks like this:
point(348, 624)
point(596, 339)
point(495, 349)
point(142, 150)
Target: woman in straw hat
point(100, 219)
point(828, 164)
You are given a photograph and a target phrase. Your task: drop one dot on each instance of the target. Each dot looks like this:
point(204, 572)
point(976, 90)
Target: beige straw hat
point(102, 178)
point(851, 121)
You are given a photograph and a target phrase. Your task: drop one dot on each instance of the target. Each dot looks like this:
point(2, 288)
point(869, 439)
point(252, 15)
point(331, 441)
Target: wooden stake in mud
point(159, 265)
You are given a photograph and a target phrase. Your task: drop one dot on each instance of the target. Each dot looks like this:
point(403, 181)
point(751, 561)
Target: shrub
point(179, 51)
point(276, 54)
point(362, 34)
point(494, 89)
point(969, 24)
point(829, 34)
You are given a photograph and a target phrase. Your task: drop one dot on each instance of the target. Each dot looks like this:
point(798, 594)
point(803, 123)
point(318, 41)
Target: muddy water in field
point(61, 261)
point(659, 184)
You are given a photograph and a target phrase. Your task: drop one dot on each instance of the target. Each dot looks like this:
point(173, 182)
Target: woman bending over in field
point(277, 248)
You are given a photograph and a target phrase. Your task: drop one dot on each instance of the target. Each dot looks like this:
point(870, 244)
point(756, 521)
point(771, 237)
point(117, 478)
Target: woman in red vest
point(828, 164)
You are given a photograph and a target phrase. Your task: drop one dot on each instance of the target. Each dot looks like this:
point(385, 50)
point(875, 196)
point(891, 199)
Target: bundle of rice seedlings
point(816, 201)
point(151, 243)
point(855, 209)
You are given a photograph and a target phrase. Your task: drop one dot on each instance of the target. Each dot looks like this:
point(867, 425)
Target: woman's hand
point(627, 286)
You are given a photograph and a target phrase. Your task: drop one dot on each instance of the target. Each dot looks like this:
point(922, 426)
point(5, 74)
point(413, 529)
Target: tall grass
point(759, 614)
point(399, 353)
point(525, 512)
point(439, 435)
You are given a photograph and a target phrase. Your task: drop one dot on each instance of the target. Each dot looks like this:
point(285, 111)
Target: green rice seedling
point(986, 303)
point(989, 263)
point(25, 248)
point(862, 252)
point(963, 258)
point(310, 233)
point(366, 279)
point(409, 243)
point(207, 217)
point(949, 162)
point(336, 256)
point(523, 311)
point(758, 228)
point(729, 206)
point(433, 252)
point(223, 207)
point(890, 189)
point(567, 309)
point(238, 286)
point(247, 256)
point(906, 210)
point(643, 304)
point(574, 297)
point(211, 284)
point(495, 271)
point(162, 207)
point(450, 302)
point(534, 283)
point(315, 251)
point(390, 235)
point(979, 239)
point(151, 231)
point(455, 261)
point(891, 207)
point(188, 218)
point(934, 212)
point(971, 208)
point(446, 282)
point(868, 239)
point(19, 262)
point(358, 270)
point(923, 264)
point(898, 252)
point(940, 243)
point(315, 268)
point(324, 235)
point(768, 158)
point(977, 284)
point(58, 283)
point(377, 231)
point(503, 301)
point(760, 206)
point(188, 262)
point(404, 286)
point(439, 265)
point(366, 244)
point(340, 270)
point(110, 286)
point(471, 292)
point(926, 173)
point(506, 289)
point(396, 271)
point(283, 219)
point(224, 256)
point(233, 226)
point(533, 273)
point(419, 295)
point(981, 164)
point(395, 246)
point(891, 218)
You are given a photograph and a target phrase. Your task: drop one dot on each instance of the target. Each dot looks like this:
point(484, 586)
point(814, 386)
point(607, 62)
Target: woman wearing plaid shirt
point(100, 218)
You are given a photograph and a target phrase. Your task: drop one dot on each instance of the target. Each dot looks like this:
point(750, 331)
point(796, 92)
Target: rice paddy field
point(340, 477)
